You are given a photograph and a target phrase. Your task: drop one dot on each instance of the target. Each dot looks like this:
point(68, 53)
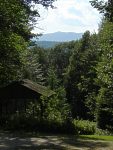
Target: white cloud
point(70, 16)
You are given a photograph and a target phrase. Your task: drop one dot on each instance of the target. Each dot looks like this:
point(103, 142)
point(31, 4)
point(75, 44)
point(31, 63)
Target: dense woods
point(79, 72)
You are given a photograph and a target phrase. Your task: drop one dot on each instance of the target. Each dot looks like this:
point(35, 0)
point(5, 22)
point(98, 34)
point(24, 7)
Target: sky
point(68, 16)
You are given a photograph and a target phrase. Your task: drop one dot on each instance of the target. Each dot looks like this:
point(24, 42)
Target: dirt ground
point(9, 141)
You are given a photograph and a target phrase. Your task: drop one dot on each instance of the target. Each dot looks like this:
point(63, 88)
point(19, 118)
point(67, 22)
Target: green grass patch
point(97, 137)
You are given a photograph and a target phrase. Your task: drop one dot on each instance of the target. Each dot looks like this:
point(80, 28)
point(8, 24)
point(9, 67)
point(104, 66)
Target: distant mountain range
point(51, 39)
point(60, 36)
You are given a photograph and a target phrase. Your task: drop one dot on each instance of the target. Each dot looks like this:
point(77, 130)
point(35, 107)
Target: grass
point(97, 137)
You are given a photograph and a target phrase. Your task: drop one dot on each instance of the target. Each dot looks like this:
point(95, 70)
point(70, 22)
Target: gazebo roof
point(24, 89)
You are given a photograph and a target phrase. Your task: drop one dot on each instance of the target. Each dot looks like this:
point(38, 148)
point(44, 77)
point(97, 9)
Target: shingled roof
point(24, 89)
point(37, 88)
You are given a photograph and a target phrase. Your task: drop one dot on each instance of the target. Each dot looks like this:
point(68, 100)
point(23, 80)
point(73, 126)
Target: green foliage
point(85, 126)
point(91, 104)
point(105, 7)
point(17, 20)
point(32, 69)
point(12, 41)
point(105, 78)
point(58, 57)
point(105, 109)
point(56, 108)
point(103, 132)
point(11, 57)
point(80, 76)
point(104, 67)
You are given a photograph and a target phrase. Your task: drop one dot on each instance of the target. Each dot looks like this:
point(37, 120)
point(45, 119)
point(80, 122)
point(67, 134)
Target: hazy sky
point(69, 16)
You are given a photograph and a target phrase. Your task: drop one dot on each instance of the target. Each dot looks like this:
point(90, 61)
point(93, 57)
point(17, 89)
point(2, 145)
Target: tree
point(52, 80)
point(105, 8)
point(33, 69)
point(104, 67)
point(41, 55)
point(45, 3)
point(56, 110)
point(11, 49)
point(105, 77)
point(59, 57)
point(17, 20)
point(80, 76)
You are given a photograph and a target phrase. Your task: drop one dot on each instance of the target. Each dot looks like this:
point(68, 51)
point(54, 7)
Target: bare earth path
point(10, 141)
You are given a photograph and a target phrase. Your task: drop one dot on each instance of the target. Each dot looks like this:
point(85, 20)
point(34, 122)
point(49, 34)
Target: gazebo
point(17, 95)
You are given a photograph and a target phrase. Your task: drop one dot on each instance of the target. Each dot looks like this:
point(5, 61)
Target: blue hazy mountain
point(60, 36)
point(52, 39)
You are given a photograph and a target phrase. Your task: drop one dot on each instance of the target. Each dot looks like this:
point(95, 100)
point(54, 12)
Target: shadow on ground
point(10, 141)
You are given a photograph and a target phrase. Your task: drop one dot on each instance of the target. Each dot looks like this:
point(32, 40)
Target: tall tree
point(105, 77)
point(105, 66)
point(17, 18)
point(32, 69)
point(81, 73)
point(11, 49)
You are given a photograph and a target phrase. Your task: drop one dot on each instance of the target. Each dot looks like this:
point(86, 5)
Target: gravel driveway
point(10, 141)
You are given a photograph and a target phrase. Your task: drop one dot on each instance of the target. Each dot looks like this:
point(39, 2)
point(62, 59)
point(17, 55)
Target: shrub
point(85, 126)
point(103, 132)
